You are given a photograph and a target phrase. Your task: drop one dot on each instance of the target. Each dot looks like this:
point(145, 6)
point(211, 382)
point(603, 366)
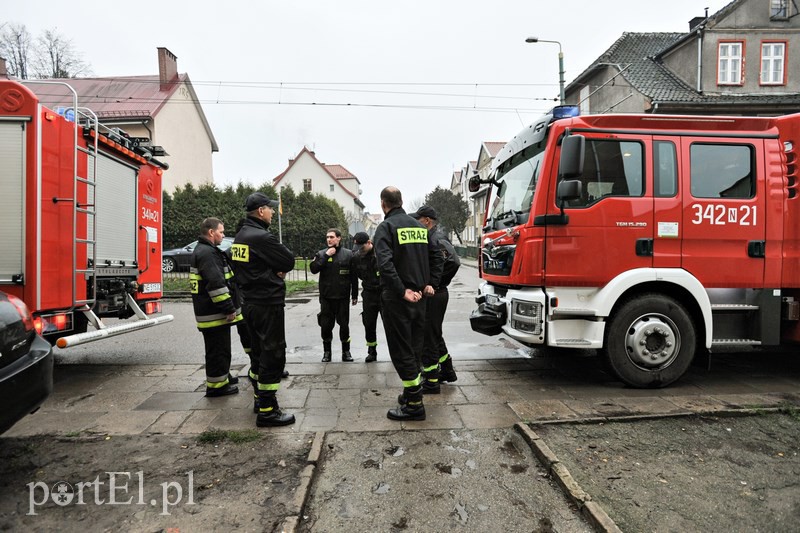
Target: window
point(772, 61)
point(307, 185)
point(779, 9)
point(730, 63)
point(331, 187)
point(610, 168)
point(722, 171)
point(665, 169)
point(583, 98)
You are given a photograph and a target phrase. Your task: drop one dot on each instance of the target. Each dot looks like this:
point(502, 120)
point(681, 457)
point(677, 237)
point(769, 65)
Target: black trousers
point(404, 323)
point(371, 308)
point(217, 343)
point(247, 343)
point(266, 325)
point(434, 346)
point(335, 311)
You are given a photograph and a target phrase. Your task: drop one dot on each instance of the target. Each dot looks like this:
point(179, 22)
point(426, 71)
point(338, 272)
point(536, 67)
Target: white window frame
point(583, 98)
point(307, 185)
point(730, 61)
point(772, 64)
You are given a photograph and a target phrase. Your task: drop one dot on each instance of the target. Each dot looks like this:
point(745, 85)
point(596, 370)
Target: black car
point(26, 363)
point(178, 259)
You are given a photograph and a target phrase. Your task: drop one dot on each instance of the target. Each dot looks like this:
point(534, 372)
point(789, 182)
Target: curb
point(596, 515)
point(291, 522)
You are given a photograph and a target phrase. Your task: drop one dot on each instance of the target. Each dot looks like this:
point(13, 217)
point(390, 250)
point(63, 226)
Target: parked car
point(178, 259)
point(26, 363)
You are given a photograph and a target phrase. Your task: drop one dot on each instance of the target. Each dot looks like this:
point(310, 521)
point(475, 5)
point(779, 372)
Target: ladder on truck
point(88, 272)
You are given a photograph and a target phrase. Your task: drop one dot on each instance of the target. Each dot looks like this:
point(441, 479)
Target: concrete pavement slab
point(542, 410)
point(169, 401)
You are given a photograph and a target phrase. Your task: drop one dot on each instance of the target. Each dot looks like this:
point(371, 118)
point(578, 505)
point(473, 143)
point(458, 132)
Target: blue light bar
point(565, 111)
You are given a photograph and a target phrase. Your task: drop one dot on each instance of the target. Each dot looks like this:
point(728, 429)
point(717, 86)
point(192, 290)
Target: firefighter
point(437, 365)
point(247, 343)
point(409, 267)
point(215, 300)
point(261, 263)
point(337, 285)
point(366, 268)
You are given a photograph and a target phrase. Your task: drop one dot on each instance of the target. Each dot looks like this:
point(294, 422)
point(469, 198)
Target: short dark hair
point(334, 230)
point(392, 197)
point(209, 223)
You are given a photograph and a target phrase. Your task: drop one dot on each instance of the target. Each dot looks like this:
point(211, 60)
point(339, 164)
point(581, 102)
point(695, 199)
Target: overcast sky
point(400, 93)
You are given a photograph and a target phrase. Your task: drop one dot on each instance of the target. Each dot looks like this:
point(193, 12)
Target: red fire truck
point(80, 219)
point(648, 237)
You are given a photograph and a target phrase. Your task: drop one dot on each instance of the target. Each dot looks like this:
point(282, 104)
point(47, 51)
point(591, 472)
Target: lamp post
point(560, 64)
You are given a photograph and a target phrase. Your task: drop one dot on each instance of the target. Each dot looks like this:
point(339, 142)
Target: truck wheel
point(650, 341)
point(168, 264)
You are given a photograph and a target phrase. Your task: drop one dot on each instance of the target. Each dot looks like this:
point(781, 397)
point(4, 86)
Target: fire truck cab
point(648, 237)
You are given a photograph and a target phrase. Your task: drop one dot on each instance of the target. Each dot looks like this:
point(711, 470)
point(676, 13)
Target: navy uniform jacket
point(257, 257)
point(337, 279)
point(214, 294)
point(408, 257)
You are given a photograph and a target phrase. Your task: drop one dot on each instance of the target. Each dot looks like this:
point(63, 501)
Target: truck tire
point(168, 265)
point(650, 341)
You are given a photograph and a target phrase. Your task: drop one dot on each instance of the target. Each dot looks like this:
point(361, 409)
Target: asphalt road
point(179, 342)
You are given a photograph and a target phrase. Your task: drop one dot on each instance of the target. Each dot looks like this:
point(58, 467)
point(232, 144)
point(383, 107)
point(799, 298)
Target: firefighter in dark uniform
point(437, 365)
point(410, 266)
point(366, 268)
point(261, 262)
point(216, 304)
point(247, 343)
point(338, 284)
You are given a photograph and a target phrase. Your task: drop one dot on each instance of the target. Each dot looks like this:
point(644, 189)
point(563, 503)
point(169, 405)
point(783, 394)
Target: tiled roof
point(493, 148)
point(339, 172)
point(130, 97)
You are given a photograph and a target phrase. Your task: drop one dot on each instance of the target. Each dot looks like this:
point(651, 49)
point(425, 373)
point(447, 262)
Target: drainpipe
point(700, 29)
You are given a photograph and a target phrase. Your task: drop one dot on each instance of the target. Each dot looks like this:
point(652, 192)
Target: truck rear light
point(52, 323)
point(526, 316)
point(152, 308)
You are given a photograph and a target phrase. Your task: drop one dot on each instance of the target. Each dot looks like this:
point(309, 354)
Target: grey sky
point(399, 93)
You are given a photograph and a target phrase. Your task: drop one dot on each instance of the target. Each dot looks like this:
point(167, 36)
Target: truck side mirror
point(474, 184)
point(572, 150)
point(568, 190)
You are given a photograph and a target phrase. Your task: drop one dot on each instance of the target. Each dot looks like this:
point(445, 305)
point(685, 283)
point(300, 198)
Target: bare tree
point(55, 57)
point(15, 47)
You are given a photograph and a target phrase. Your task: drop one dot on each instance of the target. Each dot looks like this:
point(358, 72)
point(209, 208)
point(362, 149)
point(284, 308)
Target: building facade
point(742, 60)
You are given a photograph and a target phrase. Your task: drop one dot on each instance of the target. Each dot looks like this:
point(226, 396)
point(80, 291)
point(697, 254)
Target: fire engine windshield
point(517, 179)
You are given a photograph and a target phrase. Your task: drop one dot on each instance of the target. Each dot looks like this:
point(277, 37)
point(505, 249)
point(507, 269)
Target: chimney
point(167, 68)
point(696, 21)
point(3, 68)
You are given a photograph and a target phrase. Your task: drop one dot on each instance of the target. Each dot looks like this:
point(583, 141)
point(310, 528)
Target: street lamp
point(560, 63)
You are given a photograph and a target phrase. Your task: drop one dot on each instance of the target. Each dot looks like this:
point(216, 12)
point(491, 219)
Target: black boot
point(410, 408)
point(326, 352)
point(372, 354)
point(269, 414)
point(446, 371)
point(430, 381)
point(228, 389)
point(346, 357)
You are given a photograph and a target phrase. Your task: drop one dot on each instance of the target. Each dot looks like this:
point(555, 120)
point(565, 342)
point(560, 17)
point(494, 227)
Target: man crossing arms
point(409, 266)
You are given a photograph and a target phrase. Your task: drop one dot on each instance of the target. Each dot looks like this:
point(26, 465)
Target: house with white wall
point(306, 173)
